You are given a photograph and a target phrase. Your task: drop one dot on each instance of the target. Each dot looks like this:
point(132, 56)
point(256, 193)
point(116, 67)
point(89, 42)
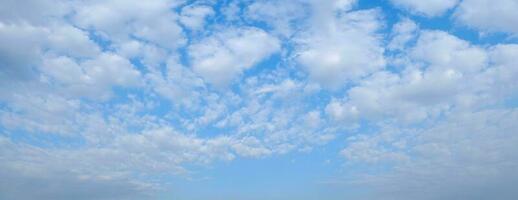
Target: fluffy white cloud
point(222, 57)
point(194, 16)
point(33, 45)
point(489, 16)
point(281, 16)
point(443, 73)
point(180, 85)
point(341, 50)
point(343, 5)
point(33, 11)
point(442, 50)
point(503, 70)
point(428, 8)
point(20, 49)
point(92, 78)
point(403, 33)
point(68, 40)
point(26, 44)
point(118, 20)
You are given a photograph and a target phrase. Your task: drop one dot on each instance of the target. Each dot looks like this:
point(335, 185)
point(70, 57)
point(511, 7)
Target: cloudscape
point(259, 99)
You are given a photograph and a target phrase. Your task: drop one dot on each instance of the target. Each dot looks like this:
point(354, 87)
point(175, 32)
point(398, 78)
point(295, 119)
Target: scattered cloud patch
point(145, 99)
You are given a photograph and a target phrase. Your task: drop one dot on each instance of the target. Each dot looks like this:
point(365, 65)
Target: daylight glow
point(258, 100)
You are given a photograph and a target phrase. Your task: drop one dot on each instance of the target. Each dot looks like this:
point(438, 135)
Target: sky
point(258, 100)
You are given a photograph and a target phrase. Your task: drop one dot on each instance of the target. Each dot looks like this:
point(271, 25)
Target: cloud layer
point(99, 98)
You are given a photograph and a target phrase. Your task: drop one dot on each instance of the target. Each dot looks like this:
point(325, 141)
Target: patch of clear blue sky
point(291, 176)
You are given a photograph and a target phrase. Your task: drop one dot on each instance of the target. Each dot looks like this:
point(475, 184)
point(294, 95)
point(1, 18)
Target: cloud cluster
point(427, 8)
point(341, 45)
point(467, 156)
point(488, 16)
point(222, 57)
point(98, 98)
point(452, 89)
point(483, 15)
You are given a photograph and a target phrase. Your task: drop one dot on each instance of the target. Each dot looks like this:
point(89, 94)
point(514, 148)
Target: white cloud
point(442, 50)
point(35, 113)
point(280, 15)
point(68, 40)
point(344, 5)
point(341, 50)
point(92, 78)
point(222, 57)
point(251, 147)
point(403, 33)
point(313, 119)
point(341, 112)
point(180, 85)
point(166, 149)
point(112, 156)
point(118, 20)
point(371, 150)
point(231, 11)
point(489, 16)
point(163, 32)
point(443, 73)
point(33, 11)
point(281, 88)
point(26, 37)
point(503, 70)
point(194, 16)
point(47, 174)
point(275, 114)
point(430, 8)
point(150, 55)
point(20, 49)
point(452, 89)
point(470, 152)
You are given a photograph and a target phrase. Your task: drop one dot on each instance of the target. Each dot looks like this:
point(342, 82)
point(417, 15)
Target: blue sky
point(255, 100)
